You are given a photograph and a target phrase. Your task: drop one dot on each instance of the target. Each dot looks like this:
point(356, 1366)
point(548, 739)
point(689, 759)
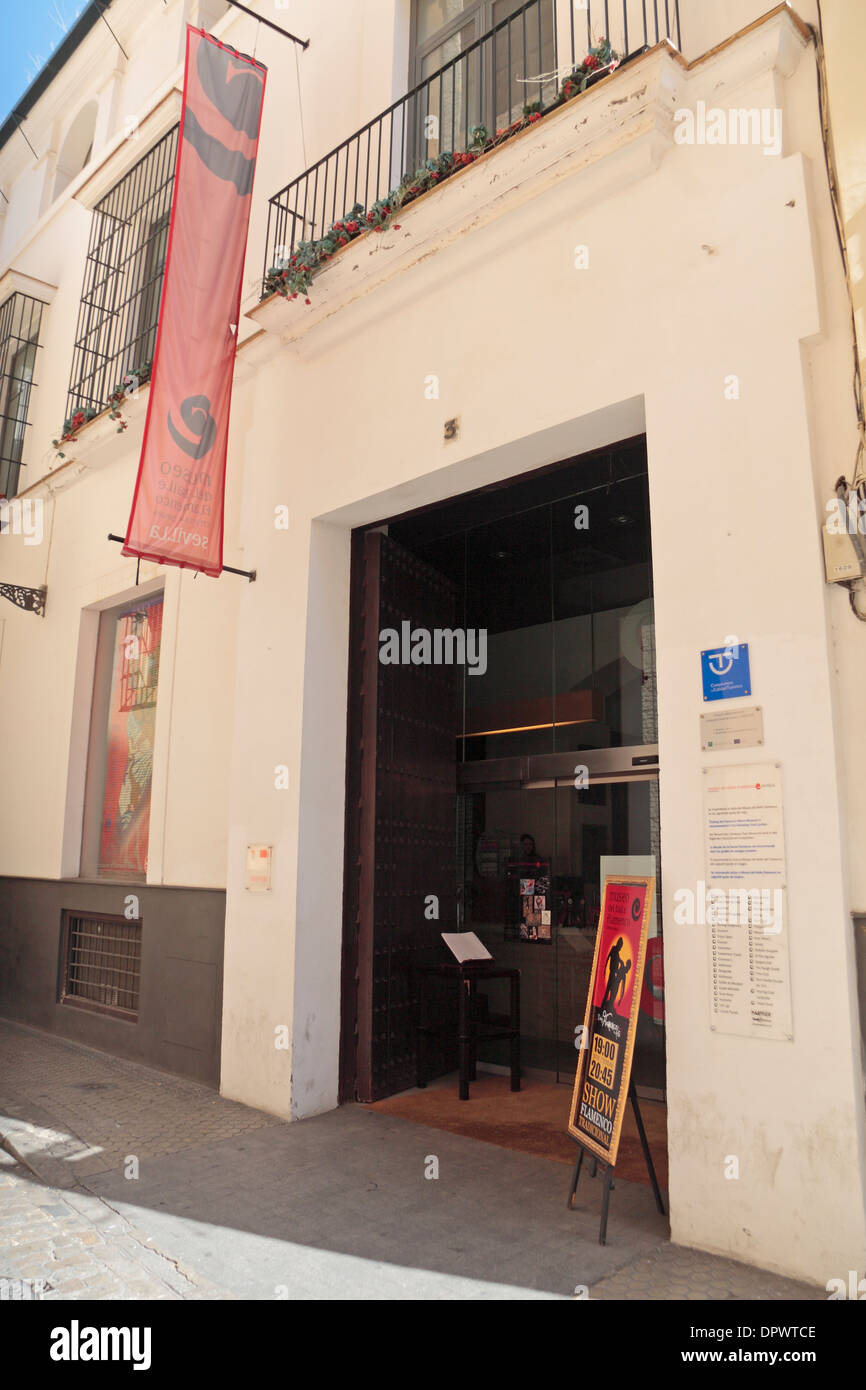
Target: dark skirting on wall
point(73, 963)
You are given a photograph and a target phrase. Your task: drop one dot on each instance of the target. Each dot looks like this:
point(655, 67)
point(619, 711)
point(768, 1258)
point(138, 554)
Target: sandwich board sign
point(601, 1084)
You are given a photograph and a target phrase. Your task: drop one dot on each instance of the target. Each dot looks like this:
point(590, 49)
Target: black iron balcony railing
point(519, 64)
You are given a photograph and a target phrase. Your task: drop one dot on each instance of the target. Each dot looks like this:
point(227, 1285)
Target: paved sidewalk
point(126, 1183)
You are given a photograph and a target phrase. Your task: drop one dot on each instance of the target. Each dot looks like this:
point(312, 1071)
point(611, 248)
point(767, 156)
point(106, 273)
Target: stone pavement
point(119, 1182)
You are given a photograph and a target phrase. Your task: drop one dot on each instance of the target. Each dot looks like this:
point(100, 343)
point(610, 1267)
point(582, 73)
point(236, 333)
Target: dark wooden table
point(470, 1030)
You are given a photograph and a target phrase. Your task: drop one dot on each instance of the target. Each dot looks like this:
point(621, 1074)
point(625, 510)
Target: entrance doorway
point(494, 780)
point(534, 897)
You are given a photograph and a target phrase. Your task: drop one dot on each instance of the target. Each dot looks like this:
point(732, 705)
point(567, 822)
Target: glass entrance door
point(531, 860)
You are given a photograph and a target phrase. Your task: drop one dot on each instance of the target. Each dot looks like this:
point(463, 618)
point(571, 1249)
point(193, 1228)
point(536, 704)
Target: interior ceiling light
point(525, 715)
point(528, 728)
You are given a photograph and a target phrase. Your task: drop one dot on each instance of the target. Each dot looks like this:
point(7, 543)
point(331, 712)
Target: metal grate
point(139, 671)
point(123, 273)
point(101, 963)
point(20, 321)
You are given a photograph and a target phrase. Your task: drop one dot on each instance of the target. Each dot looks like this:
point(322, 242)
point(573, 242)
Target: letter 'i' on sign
point(177, 506)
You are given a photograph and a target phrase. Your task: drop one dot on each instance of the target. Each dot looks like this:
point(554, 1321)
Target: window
point(100, 963)
point(77, 147)
point(20, 320)
point(120, 755)
point(496, 79)
point(123, 273)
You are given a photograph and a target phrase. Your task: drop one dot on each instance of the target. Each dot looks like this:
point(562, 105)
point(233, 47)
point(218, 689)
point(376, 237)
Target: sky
point(30, 30)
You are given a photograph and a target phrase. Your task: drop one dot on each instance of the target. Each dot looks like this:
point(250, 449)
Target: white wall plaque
point(733, 728)
point(257, 876)
point(745, 904)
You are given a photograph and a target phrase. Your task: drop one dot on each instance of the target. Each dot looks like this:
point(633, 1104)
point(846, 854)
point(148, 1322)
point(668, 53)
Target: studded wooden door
point(400, 823)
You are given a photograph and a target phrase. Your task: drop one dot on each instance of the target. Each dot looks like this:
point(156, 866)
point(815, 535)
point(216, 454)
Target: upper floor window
point(495, 81)
point(20, 320)
point(119, 310)
point(77, 147)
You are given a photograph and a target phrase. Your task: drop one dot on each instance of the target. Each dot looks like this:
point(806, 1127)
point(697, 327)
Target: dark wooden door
point(400, 823)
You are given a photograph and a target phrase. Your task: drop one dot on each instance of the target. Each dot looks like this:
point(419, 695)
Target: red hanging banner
point(177, 507)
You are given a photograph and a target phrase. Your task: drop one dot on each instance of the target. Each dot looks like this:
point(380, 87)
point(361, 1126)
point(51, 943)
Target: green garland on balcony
point(138, 376)
point(292, 277)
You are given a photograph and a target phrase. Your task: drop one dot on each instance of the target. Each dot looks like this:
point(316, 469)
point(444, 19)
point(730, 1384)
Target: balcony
point(528, 64)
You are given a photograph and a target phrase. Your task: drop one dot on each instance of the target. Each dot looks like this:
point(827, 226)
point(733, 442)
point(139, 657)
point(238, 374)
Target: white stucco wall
point(704, 262)
point(42, 685)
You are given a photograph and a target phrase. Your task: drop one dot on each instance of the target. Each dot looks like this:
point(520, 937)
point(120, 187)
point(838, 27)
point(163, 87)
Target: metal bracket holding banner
point(226, 569)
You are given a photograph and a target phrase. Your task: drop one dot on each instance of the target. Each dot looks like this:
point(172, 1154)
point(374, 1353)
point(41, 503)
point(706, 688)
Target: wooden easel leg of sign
point(608, 1172)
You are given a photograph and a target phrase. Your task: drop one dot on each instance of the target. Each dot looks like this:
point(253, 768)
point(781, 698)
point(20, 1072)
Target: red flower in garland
point(590, 62)
point(535, 116)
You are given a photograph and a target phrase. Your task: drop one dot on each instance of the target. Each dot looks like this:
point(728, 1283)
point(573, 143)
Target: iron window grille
point(119, 310)
point(139, 671)
point(100, 963)
point(20, 321)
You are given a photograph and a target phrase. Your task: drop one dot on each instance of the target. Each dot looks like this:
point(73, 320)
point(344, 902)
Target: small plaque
point(257, 878)
point(732, 728)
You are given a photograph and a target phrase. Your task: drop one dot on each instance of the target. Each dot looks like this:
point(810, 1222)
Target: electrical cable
point(852, 599)
point(301, 109)
point(858, 481)
point(835, 199)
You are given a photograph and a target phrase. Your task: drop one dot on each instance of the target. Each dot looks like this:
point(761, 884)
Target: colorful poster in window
point(131, 720)
point(610, 1023)
point(177, 507)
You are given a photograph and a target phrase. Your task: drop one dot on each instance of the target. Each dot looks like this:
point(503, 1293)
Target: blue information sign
point(726, 672)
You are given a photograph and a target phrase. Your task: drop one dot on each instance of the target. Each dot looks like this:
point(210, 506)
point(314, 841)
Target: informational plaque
point(745, 903)
point(733, 728)
point(257, 874)
point(610, 1023)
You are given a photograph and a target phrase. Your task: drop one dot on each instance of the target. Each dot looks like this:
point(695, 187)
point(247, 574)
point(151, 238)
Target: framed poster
point(610, 1023)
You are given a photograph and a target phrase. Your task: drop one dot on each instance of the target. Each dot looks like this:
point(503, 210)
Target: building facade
point(591, 397)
